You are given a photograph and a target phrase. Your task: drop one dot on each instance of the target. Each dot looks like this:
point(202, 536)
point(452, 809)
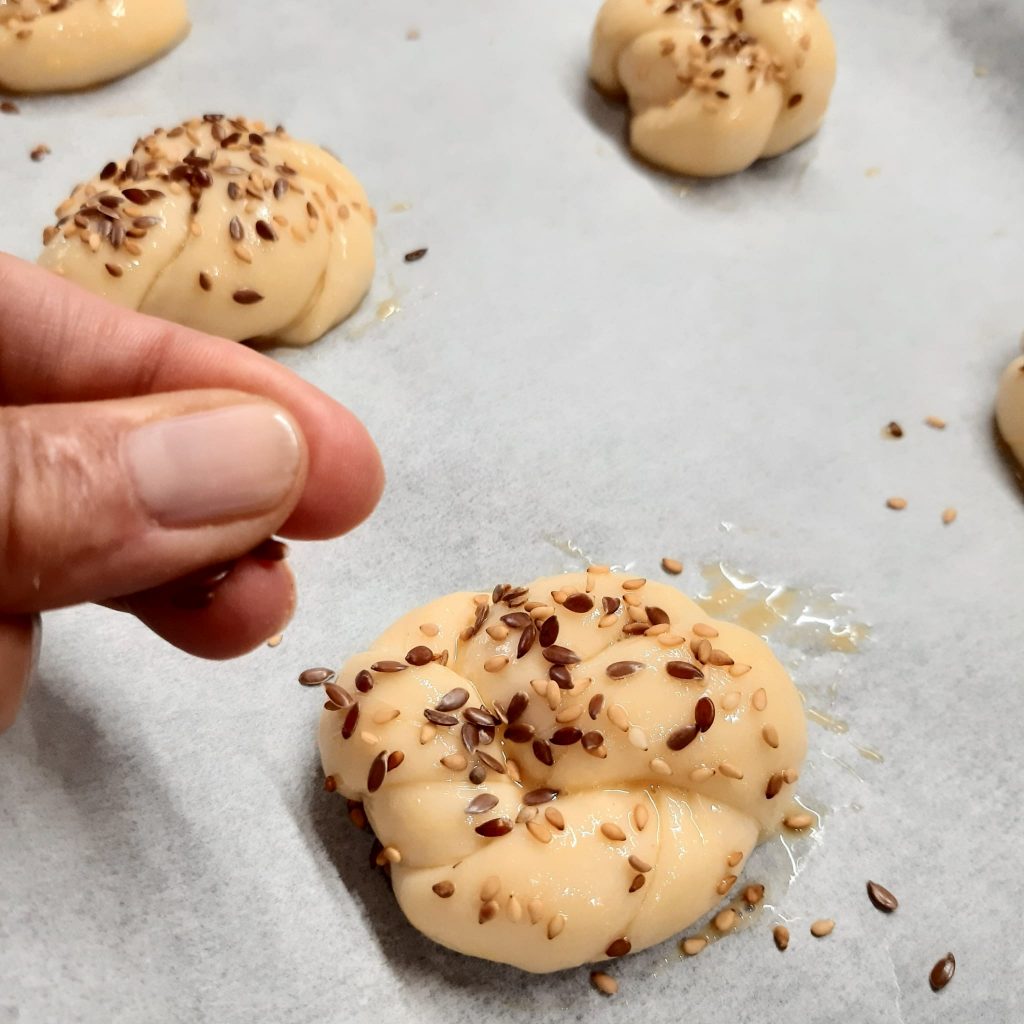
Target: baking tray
point(594, 360)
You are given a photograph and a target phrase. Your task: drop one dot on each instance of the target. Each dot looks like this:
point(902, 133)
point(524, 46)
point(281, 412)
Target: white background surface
point(584, 353)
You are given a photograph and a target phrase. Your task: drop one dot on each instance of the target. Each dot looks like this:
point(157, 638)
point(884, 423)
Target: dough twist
point(567, 771)
point(714, 86)
point(50, 45)
point(224, 226)
point(1010, 407)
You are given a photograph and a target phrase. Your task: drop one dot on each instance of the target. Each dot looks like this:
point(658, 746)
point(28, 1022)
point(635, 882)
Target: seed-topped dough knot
point(50, 45)
point(1010, 407)
point(225, 226)
point(715, 84)
point(567, 771)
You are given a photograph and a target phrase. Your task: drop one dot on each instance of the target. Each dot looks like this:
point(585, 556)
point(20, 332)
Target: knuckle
point(51, 498)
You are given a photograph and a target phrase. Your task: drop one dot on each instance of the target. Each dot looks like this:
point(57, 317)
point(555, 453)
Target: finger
point(19, 645)
point(254, 601)
point(60, 343)
point(107, 498)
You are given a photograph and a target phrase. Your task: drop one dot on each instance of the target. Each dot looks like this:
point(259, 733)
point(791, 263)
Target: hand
point(143, 465)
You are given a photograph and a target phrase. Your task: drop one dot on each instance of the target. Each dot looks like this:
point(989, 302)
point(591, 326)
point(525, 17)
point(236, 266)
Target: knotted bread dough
point(714, 86)
point(1010, 407)
point(564, 772)
point(50, 45)
point(224, 226)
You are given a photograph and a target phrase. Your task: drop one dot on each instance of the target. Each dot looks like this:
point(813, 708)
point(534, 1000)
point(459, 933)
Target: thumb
point(106, 498)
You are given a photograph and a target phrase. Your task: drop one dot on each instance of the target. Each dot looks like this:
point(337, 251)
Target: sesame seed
point(822, 927)
point(514, 909)
point(454, 762)
point(556, 926)
point(113, 270)
point(730, 771)
point(604, 983)
point(893, 429)
point(444, 889)
point(897, 504)
point(205, 281)
point(637, 737)
point(429, 629)
point(637, 883)
point(730, 700)
point(612, 831)
point(798, 821)
point(637, 864)
point(759, 700)
point(618, 717)
point(660, 766)
point(771, 736)
point(490, 888)
point(391, 855)
point(693, 946)
point(246, 296)
point(384, 715)
point(725, 884)
point(948, 515)
point(496, 663)
point(738, 670)
point(734, 858)
point(330, 784)
point(535, 909)
point(488, 912)
point(781, 935)
point(672, 566)
point(554, 818)
point(634, 584)
point(39, 152)
point(725, 920)
point(538, 830)
point(935, 422)
point(618, 947)
point(427, 733)
point(371, 739)
point(641, 815)
point(753, 894)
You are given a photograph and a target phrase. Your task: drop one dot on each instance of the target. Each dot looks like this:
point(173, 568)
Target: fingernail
point(207, 466)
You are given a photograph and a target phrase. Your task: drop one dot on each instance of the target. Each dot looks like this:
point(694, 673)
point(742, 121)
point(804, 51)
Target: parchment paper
point(590, 351)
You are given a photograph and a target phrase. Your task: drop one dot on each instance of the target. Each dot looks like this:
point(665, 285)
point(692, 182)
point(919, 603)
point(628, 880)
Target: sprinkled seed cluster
point(17, 16)
point(724, 43)
point(227, 157)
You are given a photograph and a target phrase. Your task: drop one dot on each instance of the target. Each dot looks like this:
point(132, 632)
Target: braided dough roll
point(50, 45)
point(1010, 407)
point(224, 226)
point(714, 86)
point(548, 822)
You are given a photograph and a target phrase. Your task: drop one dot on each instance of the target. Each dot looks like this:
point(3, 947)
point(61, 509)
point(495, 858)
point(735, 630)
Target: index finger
point(60, 343)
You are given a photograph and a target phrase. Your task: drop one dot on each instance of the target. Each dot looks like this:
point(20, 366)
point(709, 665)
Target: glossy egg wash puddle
point(816, 633)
